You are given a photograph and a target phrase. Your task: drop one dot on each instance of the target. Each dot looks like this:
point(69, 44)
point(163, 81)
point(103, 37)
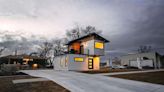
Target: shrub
point(9, 69)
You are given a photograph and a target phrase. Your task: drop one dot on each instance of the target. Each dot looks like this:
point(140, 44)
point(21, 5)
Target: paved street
point(80, 82)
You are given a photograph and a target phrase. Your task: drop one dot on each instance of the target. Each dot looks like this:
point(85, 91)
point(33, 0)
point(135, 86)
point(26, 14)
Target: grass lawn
point(44, 86)
point(107, 70)
point(151, 77)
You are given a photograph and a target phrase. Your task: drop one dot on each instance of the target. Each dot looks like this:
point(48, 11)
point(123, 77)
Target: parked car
point(118, 67)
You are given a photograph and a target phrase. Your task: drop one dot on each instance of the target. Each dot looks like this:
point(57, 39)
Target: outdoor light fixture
point(35, 65)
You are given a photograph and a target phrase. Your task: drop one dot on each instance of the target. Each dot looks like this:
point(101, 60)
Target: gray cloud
point(18, 41)
point(144, 25)
point(17, 8)
point(126, 23)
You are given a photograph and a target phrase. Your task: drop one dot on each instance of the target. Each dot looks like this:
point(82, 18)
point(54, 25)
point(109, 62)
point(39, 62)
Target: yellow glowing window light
point(79, 59)
point(99, 45)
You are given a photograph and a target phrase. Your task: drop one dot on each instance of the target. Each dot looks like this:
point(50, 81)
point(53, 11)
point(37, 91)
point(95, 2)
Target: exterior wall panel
point(67, 62)
point(61, 62)
point(78, 66)
point(88, 47)
point(99, 51)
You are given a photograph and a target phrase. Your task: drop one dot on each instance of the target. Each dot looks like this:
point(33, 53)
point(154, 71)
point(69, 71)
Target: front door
point(90, 63)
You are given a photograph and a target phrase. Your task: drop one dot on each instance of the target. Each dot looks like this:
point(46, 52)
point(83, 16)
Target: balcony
point(73, 51)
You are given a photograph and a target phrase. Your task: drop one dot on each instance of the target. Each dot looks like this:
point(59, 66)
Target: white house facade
point(151, 59)
point(83, 54)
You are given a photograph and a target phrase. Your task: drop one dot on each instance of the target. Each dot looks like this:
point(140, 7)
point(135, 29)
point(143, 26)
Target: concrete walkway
point(131, 72)
point(80, 82)
point(29, 80)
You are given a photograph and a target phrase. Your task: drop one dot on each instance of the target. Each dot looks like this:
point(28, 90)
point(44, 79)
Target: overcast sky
point(126, 23)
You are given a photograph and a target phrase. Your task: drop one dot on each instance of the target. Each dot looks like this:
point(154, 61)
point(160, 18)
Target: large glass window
point(79, 59)
point(99, 45)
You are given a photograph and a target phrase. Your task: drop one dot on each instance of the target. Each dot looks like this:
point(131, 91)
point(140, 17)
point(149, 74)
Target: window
point(99, 45)
point(79, 59)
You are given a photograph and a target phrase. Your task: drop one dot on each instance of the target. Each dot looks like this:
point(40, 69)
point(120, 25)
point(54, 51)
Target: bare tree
point(59, 47)
point(45, 49)
point(51, 49)
point(73, 33)
point(90, 29)
point(1, 50)
point(116, 61)
point(79, 31)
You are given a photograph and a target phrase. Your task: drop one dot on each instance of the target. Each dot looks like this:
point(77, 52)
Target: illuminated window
point(90, 63)
point(78, 59)
point(90, 67)
point(99, 45)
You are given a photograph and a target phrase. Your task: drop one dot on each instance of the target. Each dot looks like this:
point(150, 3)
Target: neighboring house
point(116, 61)
point(32, 61)
point(83, 54)
point(140, 60)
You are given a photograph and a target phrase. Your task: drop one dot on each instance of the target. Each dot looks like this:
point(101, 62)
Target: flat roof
point(141, 53)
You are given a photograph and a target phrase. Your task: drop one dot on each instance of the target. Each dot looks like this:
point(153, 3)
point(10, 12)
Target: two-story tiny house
point(83, 54)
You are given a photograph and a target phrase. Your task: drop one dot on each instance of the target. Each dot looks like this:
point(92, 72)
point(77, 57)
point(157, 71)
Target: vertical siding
point(78, 66)
point(99, 51)
point(67, 62)
point(82, 66)
point(61, 62)
point(88, 46)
